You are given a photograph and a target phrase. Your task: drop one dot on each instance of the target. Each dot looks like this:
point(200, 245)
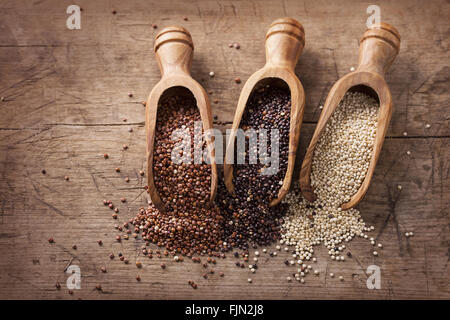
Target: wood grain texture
point(65, 95)
point(284, 44)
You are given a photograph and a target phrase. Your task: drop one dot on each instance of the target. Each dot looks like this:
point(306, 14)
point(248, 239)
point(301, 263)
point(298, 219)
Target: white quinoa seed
point(339, 166)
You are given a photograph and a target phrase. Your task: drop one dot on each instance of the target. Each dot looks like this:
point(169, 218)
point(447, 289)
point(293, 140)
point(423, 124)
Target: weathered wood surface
point(65, 95)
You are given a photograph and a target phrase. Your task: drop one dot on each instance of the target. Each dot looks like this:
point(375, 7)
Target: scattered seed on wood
point(237, 80)
point(44, 171)
point(100, 242)
point(114, 12)
point(51, 240)
point(74, 247)
point(138, 278)
point(141, 172)
point(58, 286)
point(98, 287)
point(105, 155)
point(163, 266)
point(185, 18)
point(154, 26)
point(111, 255)
point(125, 147)
point(103, 269)
point(138, 264)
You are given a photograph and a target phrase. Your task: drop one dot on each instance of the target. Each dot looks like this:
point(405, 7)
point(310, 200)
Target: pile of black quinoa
point(248, 218)
point(268, 108)
point(248, 223)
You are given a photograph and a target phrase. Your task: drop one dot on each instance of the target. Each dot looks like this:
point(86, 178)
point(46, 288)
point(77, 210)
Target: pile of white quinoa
point(339, 165)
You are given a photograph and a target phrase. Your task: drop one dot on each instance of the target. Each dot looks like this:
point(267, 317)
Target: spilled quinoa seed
point(188, 225)
point(339, 165)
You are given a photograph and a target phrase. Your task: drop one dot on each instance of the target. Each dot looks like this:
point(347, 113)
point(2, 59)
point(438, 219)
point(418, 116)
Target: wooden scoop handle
point(285, 40)
point(378, 48)
point(174, 50)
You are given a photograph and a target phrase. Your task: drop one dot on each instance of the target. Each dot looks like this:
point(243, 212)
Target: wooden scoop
point(174, 50)
point(285, 40)
point(378, 48)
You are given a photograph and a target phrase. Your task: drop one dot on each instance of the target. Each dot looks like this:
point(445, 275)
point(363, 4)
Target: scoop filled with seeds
point(263, 141)
point(378, 48)
point(181, 163)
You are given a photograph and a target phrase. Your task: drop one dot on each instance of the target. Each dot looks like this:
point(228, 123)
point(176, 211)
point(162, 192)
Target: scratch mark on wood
point(58, 211)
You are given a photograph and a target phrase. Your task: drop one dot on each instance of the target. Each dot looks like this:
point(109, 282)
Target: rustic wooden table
point(65, 94)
